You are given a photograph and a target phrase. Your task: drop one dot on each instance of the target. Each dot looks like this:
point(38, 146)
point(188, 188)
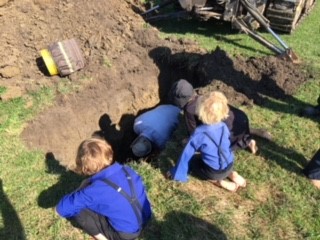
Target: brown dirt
point(128, 69)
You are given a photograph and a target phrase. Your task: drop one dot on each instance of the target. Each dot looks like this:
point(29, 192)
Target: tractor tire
point(284, 16)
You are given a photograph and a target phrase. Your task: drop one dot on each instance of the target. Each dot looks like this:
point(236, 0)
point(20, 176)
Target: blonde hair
point(93, 155)
point(212, 107)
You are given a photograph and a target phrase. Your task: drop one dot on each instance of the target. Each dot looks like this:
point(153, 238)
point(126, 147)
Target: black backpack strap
point(220, 152)
point(134, 197)
point(133, 200)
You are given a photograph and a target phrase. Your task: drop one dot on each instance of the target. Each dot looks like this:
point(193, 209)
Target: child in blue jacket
point(112, 203)
point(211, 140)
point(183, 95)
point(154, 129)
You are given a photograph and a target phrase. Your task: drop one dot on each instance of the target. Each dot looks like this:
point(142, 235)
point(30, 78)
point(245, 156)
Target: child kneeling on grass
point(112, 203)
point(211, 140)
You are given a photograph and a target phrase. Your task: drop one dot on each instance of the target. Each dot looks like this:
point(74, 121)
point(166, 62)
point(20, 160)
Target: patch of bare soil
point(130, 69)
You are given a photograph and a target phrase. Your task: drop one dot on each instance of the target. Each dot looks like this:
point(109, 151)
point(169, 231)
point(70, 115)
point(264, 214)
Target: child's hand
point(55, 211)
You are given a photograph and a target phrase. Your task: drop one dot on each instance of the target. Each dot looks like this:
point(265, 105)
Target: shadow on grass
point(219, 30)
point(180, 226)
point(68, 182)
point(288, 159)
point(12, 227)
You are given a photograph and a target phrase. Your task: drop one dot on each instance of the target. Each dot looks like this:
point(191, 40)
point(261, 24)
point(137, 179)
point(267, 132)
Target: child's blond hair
point(93, 155)
point(212, 107)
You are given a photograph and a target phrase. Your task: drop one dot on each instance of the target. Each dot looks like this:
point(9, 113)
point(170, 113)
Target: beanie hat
point(141, 146)
point(181, 92)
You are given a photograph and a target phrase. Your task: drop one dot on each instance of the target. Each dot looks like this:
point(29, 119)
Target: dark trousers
point(312, 170)
point(204, 172)
point(238, 125)
point(93, 224)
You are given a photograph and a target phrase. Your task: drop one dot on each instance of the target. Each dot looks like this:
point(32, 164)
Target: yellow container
point(49, 62)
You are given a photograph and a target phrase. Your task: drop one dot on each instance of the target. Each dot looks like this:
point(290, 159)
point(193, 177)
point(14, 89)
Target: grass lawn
point(278, 203)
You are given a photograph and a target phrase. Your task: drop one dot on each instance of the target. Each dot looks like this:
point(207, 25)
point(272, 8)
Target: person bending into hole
point(154, 129)
point(183, 95)
point(112, 203)
point(208, 153)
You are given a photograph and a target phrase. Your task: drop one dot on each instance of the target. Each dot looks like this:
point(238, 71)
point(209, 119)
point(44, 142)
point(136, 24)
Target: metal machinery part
point(245, 15)
point(284, 15)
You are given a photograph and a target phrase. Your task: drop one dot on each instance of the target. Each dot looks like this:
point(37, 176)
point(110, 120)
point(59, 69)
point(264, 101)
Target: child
point(183, 95)
point(112, 203)
point(154, 128)
point(212, 141)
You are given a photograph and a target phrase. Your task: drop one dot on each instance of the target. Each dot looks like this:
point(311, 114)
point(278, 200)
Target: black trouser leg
point(93, 224)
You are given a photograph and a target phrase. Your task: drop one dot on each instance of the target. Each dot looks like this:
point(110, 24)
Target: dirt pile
point(243, 80)
point(128, 69)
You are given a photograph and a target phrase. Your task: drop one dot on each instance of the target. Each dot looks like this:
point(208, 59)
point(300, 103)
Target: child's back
point(114, 196)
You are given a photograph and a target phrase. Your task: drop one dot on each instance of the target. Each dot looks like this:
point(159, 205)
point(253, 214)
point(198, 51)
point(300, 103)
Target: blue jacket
point(200, 142)
point(158, 124)
point(103, 199)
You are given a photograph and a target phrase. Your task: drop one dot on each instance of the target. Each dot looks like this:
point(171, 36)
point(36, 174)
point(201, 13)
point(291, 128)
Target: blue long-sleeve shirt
point(103, 199)
point(201, 142)
point(158, 124)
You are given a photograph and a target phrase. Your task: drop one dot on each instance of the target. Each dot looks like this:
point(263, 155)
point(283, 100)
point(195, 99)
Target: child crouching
point(112, 203)
point(208, 153)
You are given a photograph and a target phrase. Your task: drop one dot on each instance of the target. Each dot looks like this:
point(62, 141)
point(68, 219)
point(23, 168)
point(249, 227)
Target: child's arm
point(180, 171)
point(72, 203)
point(191, 121)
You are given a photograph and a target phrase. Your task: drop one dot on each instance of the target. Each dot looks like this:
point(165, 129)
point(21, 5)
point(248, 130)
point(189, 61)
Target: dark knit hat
point(141, 146)
point(181, 92)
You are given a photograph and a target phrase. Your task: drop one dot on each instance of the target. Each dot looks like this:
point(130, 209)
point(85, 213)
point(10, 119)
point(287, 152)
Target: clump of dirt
point(128, 69)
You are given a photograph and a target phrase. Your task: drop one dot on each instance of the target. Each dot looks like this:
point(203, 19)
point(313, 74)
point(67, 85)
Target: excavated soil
point(128, 70)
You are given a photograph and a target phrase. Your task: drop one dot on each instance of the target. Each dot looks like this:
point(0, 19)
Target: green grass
point(278, 203)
